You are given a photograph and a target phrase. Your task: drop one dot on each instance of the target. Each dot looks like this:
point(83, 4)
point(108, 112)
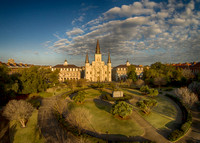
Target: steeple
point(87, 59)
point(127, 63)
point(109, 60)
point(98, 48)
point(65, 63)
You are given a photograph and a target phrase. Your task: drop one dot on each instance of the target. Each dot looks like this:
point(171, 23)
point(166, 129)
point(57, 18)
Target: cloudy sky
point(49, 31)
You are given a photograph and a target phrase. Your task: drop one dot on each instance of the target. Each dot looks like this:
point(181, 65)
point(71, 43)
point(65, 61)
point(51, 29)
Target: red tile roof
point(65, 66)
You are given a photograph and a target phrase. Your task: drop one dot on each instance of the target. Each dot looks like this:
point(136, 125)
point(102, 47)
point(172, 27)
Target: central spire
point(98, 48)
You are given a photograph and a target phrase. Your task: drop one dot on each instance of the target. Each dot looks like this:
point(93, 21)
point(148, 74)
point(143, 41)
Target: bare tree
point(59, 105)
point(139, 83)
point(18, 110)
point(187, 97)
point(160, 81)
point(72, 84)
point(187, 73)
point(79, 118)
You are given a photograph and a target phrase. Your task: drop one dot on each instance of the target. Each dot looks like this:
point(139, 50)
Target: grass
point(104, 122)
point(92, 93)
point(29, 134)
point(162, 116)
point(158, 121)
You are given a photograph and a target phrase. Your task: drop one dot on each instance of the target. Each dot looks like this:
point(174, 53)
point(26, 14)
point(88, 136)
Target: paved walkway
point(48, 124)
point(149, 131)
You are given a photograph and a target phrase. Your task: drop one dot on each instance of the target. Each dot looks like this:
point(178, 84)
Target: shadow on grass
point(103, 105)
point(116, 137)
point(4, 129)
point(12, 131)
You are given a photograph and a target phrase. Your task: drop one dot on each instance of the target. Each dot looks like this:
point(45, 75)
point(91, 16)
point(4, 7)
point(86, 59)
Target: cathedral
point(98, 71)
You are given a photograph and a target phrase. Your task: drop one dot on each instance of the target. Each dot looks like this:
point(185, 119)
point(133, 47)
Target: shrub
point(18, 110)
point(139, 83)
point(186, 126)
point(146, 105)
point(153, 92)
point(122, 109)
point(175, 135)
point(144, 89)
point(80, 97)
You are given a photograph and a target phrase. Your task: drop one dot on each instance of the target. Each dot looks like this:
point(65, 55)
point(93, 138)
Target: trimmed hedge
point(110, 98)
point(186, 120)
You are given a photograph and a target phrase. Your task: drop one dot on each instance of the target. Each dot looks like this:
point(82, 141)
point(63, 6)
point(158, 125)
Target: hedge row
point(110, 98)
point(186, 120)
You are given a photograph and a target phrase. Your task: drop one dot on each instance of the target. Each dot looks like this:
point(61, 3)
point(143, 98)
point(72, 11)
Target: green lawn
point(92, 93)
point(103, 121)
point(162, 115)
point(29, 134)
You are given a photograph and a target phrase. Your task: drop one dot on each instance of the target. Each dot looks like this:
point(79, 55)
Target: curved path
point(54, 133)
point(150, 133)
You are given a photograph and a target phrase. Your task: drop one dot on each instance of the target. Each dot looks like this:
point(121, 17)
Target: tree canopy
point(146, 105)
point(122, 109)
point(131, 73)
point(18, 110)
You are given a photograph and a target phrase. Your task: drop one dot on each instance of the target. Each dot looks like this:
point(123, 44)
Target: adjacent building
point(120, 72)
point(68, 71)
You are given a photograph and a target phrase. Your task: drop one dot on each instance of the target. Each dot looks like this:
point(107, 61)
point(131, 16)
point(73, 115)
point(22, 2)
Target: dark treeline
point(25, 81)
point(162, 74)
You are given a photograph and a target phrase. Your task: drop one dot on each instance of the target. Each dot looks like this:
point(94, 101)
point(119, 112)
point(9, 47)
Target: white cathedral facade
point(98, 71)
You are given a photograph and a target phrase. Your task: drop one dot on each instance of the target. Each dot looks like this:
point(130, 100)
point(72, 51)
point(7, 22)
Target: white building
point(98, 71)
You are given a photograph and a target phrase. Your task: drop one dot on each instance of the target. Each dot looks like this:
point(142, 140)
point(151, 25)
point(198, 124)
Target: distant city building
point(120, 72)
point(98, 71)
point(68, 72)
point(14, 67)
point(194, 66)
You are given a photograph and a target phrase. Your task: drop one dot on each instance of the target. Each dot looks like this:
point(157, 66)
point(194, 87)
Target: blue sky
point(47, 32)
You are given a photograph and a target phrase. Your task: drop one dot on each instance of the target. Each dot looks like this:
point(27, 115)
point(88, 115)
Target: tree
point(79, 118)
point(139, 83)
point(4, 81)
point(129, 82)
point(81, 82)
point(187, 74)
point(160, 81)
point(144, 89)
point(195, 87)
point(122, 109)
point(153, 92)
point(80, 97)
point(71, 84)
point(131, 73)
point(18, 110)
point(186, 96)
point(146, 105)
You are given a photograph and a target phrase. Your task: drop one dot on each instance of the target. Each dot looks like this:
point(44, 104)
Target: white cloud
point(165, 34)
point(137, 8)
point(74, 31)
point(80, 19)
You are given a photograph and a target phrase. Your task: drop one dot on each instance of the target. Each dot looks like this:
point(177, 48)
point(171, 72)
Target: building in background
point(120, 72)
point(67, 71)
point(98, 71)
